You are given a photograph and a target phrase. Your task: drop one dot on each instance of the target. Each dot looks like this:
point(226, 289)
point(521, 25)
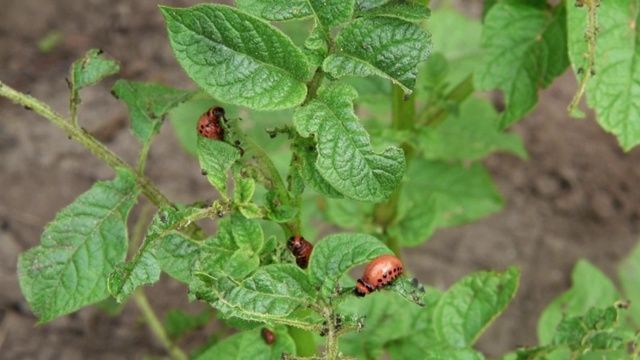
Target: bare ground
point(576, 197)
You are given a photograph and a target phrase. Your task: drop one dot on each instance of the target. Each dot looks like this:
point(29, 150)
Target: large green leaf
point(615, 88)
point(526, 48)
point(383, 46)
point(470, 305)
point(148, 103)
point(345, 156)
point(236, 57)
point(79, 250)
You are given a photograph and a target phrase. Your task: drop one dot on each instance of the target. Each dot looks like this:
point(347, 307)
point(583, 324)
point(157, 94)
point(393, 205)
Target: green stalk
point(403, 116)
point(92, 144)
point(434, 116)
point(156, 326)
point(85, 139)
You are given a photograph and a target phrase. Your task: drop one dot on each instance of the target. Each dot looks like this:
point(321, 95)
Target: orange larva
point(209, 123)
point(380, 272)
point(301, 249)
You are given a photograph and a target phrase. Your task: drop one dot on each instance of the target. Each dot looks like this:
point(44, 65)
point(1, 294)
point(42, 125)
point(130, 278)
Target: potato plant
point(374, 127)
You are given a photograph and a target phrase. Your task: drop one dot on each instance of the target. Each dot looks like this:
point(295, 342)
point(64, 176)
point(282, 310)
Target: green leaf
point(383, 323)
point(217, 250)
point(405, 10)
point(386, 327)
point(241, 264)
point(337, 253)
point(463, 193)
point(251, 345)
point(471, 135)
point(278, 212)
point(629, 275)
point(177, 255)
point(306, 150)
point(470, 305)
point(591, 288)
point(416, 220)
point(93, 67)
point(614, 90)
point(330, 13)
point(178, 323)
point(215, 158)
point(387, 47)
point(251, 211)
point(461, 48)
point(78, 250)
point(326, 12)
point(276, 10)
point(345, 156)
point(237, 58)
point(147, 104)
point(127, 277)
point(272, 292)
point(347, 213)
point(587, 332)
point(244, 186)
point(435, 354)
point(525, 58)
point(247, 234)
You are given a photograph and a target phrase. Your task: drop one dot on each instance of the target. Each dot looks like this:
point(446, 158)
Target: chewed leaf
point(236, 57)
point(381, 46)
point(346, 159)
point(215, 158)
point(148, 103)
point(79, 250)
point(613, 91)
point(91, 68)
point(337, 253)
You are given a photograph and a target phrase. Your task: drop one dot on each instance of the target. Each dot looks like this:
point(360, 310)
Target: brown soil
point(574, 198)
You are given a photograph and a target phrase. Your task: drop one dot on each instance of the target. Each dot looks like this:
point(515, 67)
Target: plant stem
point(403, 117)
point(85, 139)
point(156, 326)
point(142, 158)
point(434, 116)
